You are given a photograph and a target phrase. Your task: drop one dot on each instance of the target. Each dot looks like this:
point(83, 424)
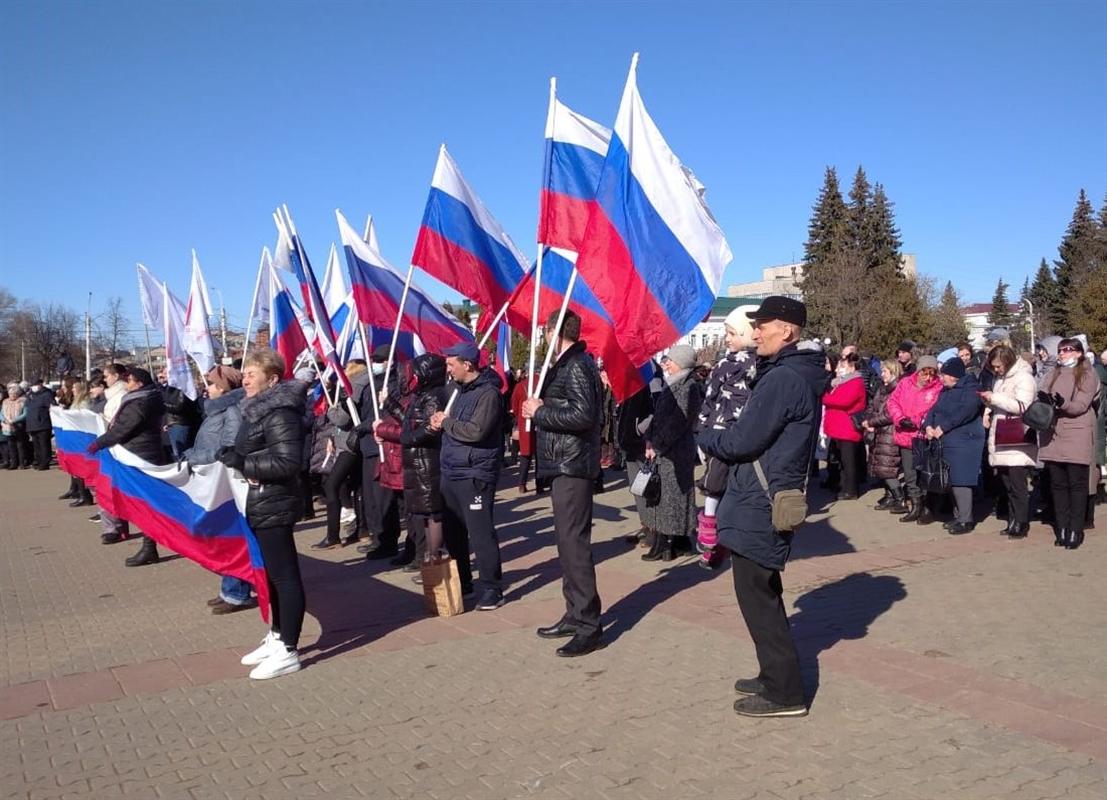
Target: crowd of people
point(728, 449)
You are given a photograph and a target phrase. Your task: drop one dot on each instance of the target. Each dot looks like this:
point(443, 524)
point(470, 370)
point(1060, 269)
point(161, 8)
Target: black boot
point(406, 554)
point(661, 547)
point(884, 501)
point(1060, 537)
point(83, 499)
point(898, 504)
point(925, 517)
point(1019, 530)
point(1076, 538)
point(147, 554)
point(914, 508)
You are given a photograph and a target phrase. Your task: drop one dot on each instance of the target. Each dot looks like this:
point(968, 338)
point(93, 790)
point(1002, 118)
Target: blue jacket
point(958, 413)
point(222, 418)
point(472, 436)
point(778, 427)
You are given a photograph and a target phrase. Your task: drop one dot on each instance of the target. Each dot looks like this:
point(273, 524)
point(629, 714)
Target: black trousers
point(286, 588)
point(1017, 491)
point(40, 440)
point(467, 521)
point(337, 490)
point(759, 591)
point(524, 470)
point(851, 454)
point(380, 504)
point(572, 513)
point(1069, 485)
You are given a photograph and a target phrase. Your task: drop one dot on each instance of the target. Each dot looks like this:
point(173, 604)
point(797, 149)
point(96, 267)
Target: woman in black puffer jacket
point(422, 446)
point(884, 458)
point(269, 454)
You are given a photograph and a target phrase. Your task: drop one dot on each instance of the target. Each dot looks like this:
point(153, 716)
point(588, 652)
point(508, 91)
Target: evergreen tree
point(860, 195)
point(949, 325)
point(1001, 315)
point(1043, 295)
point(826, 272)
point(1079, 257)
point(892, 307)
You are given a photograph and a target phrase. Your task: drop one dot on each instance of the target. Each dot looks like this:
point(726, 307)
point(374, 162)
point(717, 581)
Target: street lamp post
point(227, 360)
point(1030, 317)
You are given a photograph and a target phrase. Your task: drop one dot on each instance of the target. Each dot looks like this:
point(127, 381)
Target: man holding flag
point(567, 416)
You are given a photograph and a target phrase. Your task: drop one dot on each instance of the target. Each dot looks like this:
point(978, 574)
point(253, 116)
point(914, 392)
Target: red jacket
point(392, 465)
point(518, 395)
point(842, 402)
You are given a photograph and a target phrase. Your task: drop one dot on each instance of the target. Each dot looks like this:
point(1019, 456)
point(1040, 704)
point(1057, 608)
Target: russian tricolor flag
point(651, 250)
point(461, 244)
point(378, 289)
point(595, 325)
point(575, 150)
point(197, 512)
point(286, 335)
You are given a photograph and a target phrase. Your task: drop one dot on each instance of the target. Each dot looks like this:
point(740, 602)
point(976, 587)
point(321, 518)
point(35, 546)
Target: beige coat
point(1011, 394)
point(1073, 435)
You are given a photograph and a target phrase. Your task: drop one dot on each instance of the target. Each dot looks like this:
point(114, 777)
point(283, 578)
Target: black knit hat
point(955, 367)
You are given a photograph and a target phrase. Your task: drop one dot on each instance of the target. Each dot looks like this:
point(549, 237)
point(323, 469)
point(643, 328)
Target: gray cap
point(926, 361)
point(682, 355)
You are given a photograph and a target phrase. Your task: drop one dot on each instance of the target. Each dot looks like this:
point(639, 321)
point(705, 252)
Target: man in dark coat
point(38, 425)
point(182, 416)
point(471, 460)
point(567, 417)
point(137, 427)
point(776, 431)
point(380, 504)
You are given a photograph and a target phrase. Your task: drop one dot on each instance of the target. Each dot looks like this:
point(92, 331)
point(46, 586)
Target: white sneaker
point(347, 516)
point(281, 661)
point(269, 645)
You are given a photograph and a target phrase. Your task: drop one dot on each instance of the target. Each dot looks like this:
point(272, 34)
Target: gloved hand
point(1044, 397)
point(93, 448)
point(1057, 400)
point(906, 424)
point(231, 458)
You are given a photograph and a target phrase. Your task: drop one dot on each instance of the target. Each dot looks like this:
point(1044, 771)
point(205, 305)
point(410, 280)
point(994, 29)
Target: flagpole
point(557, 328)
point(396, 329)
point(531, 388)
point(253, 304)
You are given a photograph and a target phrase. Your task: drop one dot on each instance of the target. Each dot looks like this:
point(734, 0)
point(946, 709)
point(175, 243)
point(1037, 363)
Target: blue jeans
point(178, 439)
point(234, 591)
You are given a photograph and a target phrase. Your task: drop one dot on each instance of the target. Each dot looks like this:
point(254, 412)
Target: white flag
point(197, 335)
point(176, 357)
point(150, 293)
point(335, 286)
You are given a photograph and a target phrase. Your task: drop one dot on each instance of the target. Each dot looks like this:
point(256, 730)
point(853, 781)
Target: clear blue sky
point(136, 131)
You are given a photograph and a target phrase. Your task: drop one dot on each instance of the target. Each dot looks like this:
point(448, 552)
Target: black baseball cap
point(783, 308)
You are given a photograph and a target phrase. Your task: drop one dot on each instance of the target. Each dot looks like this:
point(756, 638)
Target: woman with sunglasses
point(1066, 449)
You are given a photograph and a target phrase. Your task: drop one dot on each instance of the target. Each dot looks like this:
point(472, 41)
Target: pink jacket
point(911, 401)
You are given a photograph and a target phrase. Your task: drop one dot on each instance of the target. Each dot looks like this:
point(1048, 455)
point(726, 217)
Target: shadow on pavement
point(840, 610)
point(671, 581)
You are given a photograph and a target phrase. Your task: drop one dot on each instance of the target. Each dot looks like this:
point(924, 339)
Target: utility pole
point(88, 338)
point(227, 360)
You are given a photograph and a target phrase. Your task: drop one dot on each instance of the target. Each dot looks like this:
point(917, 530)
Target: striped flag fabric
point(575, 150)
point(198, 512)
point(503, 353)
point(651, 250)
point(286, 335)
point(378, 288)
point(461, 244)
point(596, 328)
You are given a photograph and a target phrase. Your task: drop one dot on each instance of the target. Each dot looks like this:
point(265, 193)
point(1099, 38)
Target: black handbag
point(1040, 416)
point(647, 483)
point(931, 466)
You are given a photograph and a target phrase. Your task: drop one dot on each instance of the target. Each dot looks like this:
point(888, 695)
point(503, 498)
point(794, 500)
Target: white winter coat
point(1016, 387)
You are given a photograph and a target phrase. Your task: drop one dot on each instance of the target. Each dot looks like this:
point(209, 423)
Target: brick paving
point(939, 667)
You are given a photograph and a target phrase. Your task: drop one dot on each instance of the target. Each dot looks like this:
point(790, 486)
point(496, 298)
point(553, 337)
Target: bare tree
point(112, 326)
point(49, 331)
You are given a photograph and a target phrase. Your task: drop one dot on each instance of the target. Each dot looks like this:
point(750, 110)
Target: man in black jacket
point(137, 427)
point(182, 416)
point(568, 417)
point(38, 425)
point(775, 434)
point(471, 460)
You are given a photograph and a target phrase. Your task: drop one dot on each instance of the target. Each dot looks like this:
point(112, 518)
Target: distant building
point(976, 319)
point(784, 279)
point(709, 333)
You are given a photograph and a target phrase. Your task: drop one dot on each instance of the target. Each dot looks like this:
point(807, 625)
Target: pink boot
point(707, 538)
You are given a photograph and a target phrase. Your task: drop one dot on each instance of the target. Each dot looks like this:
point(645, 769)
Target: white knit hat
point(741, 323)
